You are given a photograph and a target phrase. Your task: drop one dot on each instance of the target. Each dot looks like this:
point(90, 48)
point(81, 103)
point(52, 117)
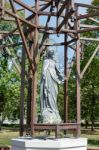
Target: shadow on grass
point(93, 142)
point(89, 132)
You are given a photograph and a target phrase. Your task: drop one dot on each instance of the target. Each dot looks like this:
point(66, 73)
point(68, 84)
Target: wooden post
point(34, 81)
point(22, 93)
point(30, 80)
point(30, 75)
point(29, 97)
point(77, 24)
point(22, 35)
point(65, 82)
point(65, 71)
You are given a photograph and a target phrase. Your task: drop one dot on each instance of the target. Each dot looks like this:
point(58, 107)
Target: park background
point(10, 86)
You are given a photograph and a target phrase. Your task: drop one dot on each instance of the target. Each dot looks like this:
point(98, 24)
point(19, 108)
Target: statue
point(51, 77)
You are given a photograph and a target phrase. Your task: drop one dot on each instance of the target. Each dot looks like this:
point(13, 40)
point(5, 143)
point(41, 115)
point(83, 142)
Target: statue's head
point(50, 53)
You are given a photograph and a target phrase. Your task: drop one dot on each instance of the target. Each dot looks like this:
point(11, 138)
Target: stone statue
point(51, 77)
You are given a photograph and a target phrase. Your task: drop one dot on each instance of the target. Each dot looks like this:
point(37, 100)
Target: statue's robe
point(51, 77)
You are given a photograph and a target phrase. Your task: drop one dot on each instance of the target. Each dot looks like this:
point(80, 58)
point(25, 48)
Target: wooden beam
point(65, 19)
point(23, 37)
point(22, 93)
point(72, 48)
point(89, 62)
point(88, 15)
point(92, 19)
point(16, 16)
point(62, 7)
point(46, 26)
point(8, 19)
point(54, 29)
point(9, 32)
point(88, 26)
point(51, 1)
point(89, 39)
point(88, 29)
point(46, 6)
point(55, 44)
point(76, 26)
point(21, 3)
point(65, 72)
point(39, 11)
point(54, 14)
point(86, 5)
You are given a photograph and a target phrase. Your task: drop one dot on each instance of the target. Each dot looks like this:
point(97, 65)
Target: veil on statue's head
point(50, 53)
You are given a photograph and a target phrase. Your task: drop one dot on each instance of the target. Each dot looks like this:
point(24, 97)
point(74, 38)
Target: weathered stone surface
point(49, 144)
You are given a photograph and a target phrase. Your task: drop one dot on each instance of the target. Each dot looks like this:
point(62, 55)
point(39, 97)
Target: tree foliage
point(89, 82)
point(9, 78)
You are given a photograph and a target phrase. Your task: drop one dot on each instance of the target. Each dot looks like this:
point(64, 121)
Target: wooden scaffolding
point(68, 23)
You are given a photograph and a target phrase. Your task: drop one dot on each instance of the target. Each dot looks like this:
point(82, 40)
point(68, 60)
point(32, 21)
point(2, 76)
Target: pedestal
point(49, 144)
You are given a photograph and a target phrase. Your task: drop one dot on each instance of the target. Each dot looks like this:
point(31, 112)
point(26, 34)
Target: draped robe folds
point(51, 77)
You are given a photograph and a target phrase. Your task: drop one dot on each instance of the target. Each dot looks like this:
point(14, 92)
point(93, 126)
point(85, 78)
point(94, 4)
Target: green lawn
point(93, 137)
point(7, 134)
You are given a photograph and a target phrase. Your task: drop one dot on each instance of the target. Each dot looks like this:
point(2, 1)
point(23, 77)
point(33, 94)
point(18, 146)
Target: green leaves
point(90, 80)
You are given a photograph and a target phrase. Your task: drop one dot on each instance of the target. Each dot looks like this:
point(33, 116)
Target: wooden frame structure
point(68, 23)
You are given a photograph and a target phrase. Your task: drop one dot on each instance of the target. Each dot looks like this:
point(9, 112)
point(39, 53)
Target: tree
point(90, 86)
point(9, 78)
point(90, 81)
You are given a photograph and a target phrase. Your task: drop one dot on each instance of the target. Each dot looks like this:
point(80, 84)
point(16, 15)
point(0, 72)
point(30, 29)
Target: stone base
point(49, 144)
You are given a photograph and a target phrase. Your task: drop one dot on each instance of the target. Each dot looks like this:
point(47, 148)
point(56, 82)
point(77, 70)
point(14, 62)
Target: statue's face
point(50, 54)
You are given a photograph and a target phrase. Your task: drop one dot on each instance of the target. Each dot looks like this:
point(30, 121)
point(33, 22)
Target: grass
point(93, 137)
point(7, 134)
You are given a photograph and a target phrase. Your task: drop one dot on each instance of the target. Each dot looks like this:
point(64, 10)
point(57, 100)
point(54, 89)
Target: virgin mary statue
point(51, 77)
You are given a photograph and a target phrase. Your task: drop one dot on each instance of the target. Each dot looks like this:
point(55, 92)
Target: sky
point(29, 2)
point(83, 1)
point(59, 51)
point(79, 1)
point(83, 10)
